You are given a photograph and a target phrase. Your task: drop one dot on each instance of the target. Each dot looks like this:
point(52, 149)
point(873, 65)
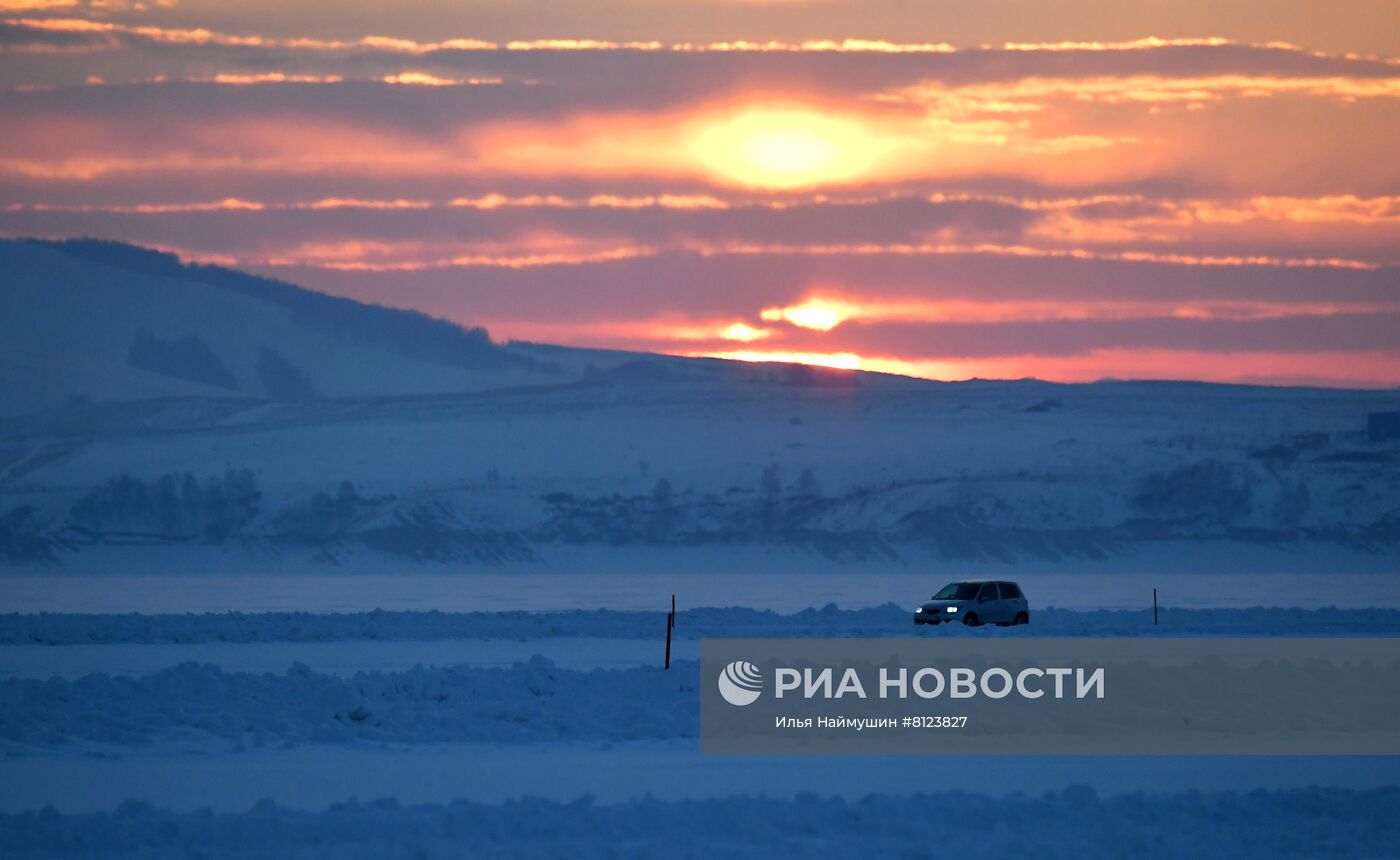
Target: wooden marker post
point(670, 624)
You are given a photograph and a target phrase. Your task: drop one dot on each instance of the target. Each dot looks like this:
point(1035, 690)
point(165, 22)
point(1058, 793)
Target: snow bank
point(887, 620)
point(1073, 823)
point(536, 701)
point(343, 657)
point(529, 701)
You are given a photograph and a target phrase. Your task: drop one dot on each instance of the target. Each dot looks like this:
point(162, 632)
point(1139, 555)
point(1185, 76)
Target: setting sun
point(788, 148)
point(788, 151)
point(817, 314)
point(744, 332)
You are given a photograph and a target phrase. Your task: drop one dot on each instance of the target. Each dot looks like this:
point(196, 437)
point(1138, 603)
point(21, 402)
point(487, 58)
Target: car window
point(957, 591)
point(989, 592)
point(1009, 591)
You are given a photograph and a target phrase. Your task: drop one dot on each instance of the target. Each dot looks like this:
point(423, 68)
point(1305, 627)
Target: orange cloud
point(596, 201)
point(878, 46)
point(770, 147)
point(580, 45)
point(408, 78)
point(355, 203)
point(1031, 94)
point(1337, 208)
point(1089, 254)
point(268, 78)
point(401, 45)
point(347, 262)
point(1144, 44)
point(201, 36)
point(80, 150)
point(1342, 209)
point(992, 248)
point(528, 250)
point(548, 249)
point(425, 79)
point(789, 145)
point(394, 44)
point(1337, 221)
point(825, 313)
point(792, 143)
point(777, 144)
point(35, 5)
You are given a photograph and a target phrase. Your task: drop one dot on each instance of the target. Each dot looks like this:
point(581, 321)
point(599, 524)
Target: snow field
point(1073, 823)
point(529, 701)
point(831, 620)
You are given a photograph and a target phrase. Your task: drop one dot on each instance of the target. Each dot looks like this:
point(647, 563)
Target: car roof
point(984, 582)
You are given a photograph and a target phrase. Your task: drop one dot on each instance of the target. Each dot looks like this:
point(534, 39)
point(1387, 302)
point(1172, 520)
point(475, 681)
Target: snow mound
point(1073, 823)
point(887, 620)
point(529, 701)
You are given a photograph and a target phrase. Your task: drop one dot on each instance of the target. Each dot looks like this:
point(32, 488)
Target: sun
point(817, 314)
point(797, 152)
point(785, 148)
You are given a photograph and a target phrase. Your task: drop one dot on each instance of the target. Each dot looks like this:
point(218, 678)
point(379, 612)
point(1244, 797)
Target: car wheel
point(1022, 618)
point(970, 619)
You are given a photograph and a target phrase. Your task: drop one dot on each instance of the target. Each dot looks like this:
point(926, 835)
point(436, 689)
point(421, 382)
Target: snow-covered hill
point(145, 414)
point(88, 320)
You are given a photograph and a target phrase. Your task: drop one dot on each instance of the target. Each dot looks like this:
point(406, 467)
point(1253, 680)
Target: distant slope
point(106, 321)
point(655, 466)
point(406, 332)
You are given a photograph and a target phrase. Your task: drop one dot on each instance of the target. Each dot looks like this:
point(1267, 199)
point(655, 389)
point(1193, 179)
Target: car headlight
point(952, 609)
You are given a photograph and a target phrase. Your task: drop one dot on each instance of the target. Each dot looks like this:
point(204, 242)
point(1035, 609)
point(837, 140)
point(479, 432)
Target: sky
point(1066, 190)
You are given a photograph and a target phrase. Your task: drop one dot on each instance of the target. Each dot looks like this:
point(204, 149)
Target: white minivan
point(976, 602)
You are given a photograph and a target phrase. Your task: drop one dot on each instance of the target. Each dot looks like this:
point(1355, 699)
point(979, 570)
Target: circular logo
point(740, 683)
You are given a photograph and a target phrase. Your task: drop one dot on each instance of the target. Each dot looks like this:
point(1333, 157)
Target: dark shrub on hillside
point(1205, 491)
point(281, 379)
point(322, 517)
point(183, 358)
point(177, 506)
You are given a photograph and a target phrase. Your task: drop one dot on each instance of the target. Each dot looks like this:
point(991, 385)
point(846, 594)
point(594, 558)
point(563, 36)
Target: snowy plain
point(240, 723)
point(1074, 823)
point(342, 658)
point(313, 778)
